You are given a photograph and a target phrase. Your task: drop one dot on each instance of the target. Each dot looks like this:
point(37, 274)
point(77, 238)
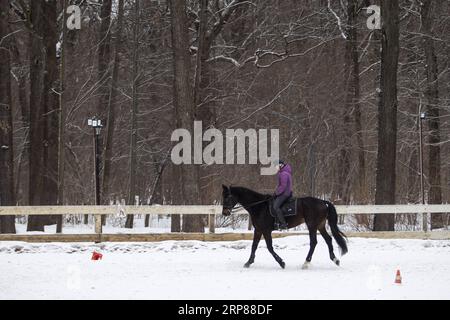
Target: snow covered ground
point(213, 270)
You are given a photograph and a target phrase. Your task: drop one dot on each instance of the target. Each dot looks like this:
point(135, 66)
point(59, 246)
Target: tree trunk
point(432, 98)
point(361, 185)
point(51, 107)
point(103, 73)
point(184, 108)
point(205, 111)
point(37, 64)
point(134, 111)
point(344, 159)
point(22, 171)
point(61, 120)
point(7, 224)
point(110, 122)
point(173, 193)
point(387, 114)
point(156, 195)
point(44, 125)
point(104, 57)
point(413, 183)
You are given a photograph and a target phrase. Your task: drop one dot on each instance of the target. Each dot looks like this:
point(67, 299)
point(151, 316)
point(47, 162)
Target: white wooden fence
point(210, 210)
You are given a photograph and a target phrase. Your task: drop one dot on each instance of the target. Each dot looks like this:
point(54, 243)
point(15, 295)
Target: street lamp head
point(95, 123)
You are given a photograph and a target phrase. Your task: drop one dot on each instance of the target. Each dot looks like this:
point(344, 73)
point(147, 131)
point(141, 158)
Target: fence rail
point(231, 236)
point(210, 210)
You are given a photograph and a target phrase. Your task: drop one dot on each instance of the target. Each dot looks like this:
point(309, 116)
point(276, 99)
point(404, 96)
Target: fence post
point(425, 222)
point(98, 226)
point(212, 221)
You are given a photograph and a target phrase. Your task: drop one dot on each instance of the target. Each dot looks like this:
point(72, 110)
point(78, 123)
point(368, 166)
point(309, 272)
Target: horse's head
point(228, 201)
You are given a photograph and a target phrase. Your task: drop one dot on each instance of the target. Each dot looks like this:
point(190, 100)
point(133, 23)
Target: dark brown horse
point(314, 212)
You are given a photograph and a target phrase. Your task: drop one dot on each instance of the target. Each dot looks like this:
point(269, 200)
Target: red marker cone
point(398, 277)
point(96, 256)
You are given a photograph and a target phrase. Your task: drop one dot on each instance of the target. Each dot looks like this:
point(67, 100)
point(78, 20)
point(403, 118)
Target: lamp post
point(422, 116)
point(97, 125)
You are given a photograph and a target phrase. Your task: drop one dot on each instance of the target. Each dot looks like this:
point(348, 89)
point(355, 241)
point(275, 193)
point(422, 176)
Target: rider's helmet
point(279, 162)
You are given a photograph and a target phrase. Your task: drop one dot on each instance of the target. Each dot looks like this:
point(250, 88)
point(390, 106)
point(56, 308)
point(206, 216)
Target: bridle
point(234, 208)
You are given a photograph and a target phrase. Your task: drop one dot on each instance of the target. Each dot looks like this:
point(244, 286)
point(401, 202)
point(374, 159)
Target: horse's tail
point(338, 235)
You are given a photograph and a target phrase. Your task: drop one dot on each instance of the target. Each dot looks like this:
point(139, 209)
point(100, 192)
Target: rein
point(251, 204)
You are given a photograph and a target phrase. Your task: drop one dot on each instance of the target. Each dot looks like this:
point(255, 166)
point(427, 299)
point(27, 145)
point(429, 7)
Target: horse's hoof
point(282, 264)
point(305, 266)
point(335, 260)
point(247, 265)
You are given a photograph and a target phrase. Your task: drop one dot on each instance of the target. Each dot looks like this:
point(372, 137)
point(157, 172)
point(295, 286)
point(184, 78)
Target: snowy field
point(213, 270)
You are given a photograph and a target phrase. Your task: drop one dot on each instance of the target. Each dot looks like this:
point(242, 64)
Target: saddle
point(288, 208)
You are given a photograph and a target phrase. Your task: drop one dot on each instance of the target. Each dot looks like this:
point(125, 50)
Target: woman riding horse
point(283, 191)
point(314, 212)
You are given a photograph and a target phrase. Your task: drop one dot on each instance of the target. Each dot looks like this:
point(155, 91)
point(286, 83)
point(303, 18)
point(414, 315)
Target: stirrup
point(281, 226)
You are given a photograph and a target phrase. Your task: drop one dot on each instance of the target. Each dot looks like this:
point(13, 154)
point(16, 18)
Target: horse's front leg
point(268, 238)
point(256, 237)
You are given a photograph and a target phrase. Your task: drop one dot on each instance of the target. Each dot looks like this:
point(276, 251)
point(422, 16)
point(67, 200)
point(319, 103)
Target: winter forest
point(347, 100)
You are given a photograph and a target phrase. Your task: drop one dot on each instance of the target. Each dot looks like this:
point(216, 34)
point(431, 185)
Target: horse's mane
point(249, 191)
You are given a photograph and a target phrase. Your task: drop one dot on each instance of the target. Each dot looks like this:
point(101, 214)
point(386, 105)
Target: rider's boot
point(282, 225)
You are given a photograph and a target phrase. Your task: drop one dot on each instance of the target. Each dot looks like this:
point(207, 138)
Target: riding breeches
point(278, 202)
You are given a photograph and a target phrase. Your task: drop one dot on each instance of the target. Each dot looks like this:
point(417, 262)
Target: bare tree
point(184, 109)
point(432, 98)
point(353, 97)
point(111, 114)
point(134, 111)
point(104, 57)
point(6, 127)
point(61, 119)
point(104, 77)
point(387, 114)
point(44, 125)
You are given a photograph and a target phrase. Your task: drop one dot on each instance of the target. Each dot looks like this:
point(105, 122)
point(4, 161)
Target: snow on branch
point(281, 56)
point(338, 20)
point(225, 14)
point(223, 58)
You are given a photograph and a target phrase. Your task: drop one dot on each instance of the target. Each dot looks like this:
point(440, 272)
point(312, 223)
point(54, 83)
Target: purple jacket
point(284, 181)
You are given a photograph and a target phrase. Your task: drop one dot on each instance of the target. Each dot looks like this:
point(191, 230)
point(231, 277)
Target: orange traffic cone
point(398, 277)
point(96, 256)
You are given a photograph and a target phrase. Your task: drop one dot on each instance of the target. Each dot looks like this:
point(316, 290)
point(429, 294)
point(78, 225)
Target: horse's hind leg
point(312, 246)
point(268, 239)
point(328, 240)
point(256, 237)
